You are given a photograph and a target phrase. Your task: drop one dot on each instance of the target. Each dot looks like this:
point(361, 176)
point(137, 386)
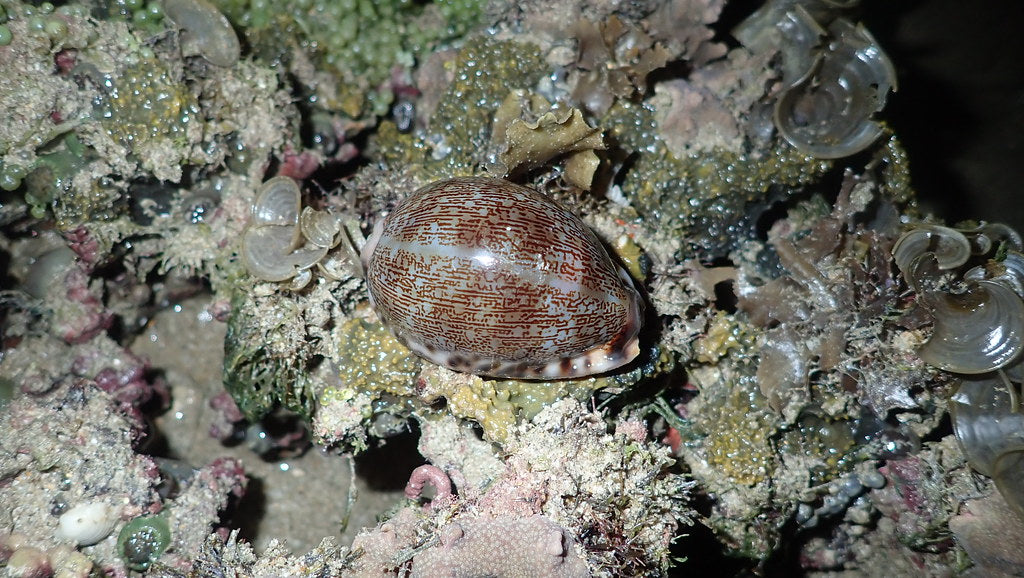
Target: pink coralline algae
point(84, 244)
point(86, 317)
point(508, 547)
point(299, 165)
point(122, 374)
point(228, 416)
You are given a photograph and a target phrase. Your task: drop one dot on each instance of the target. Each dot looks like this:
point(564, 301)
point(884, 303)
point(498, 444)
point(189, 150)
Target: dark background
point(959, 110)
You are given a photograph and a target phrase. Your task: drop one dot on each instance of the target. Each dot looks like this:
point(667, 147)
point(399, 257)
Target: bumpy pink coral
point(490, 546)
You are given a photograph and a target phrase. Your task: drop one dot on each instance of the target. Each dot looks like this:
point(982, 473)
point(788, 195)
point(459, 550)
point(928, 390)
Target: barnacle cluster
point(971, 282)
point(282, 243)
point(835, 76)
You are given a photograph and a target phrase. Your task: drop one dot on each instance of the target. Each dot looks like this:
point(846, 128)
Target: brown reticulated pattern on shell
point(485, 276)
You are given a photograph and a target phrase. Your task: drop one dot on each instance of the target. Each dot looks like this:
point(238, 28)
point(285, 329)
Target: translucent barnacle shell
point(1008, 271)
point(320, 228)
point(204, 31)
point(989, 236)
point(977, 331)
point(273, 248)
point(270, 253)
point(828, 115)
point(795, 29)
point(989, 424)
point(999, 233)
point(951, 247)
point(277, 203)
point(788, 27)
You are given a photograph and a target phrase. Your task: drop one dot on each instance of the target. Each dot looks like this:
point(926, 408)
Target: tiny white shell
point(87, 524)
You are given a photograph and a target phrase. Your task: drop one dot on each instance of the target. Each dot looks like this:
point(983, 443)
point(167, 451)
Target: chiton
point(488, 277)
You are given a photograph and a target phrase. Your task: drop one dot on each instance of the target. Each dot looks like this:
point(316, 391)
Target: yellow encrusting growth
point(725, 333)
point(738, 427)
point(499, 404)
point(371, 359)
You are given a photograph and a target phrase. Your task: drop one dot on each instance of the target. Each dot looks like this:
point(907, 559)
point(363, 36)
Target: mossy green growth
point(832, 441)
point(725, 334)
point(49, 185)
point(360, 42)
point(143, 540)
point(145, 102)
point(7, 389)
point(705, 197)
point(371, 361)
point(498, 405)
point(485, 71)
point(257, 376)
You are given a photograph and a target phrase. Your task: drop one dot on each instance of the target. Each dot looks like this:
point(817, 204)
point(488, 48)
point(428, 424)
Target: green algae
point(832, 442)
point(370, 359)
point(145, 102)
point(257, 373)
point(739, 426)
point(359, 42)
point(485, 71)
point(705, 197)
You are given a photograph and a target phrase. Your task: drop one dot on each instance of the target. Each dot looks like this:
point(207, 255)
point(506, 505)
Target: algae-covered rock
point(483, 73)
point(267, 364)
point(354, 45)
